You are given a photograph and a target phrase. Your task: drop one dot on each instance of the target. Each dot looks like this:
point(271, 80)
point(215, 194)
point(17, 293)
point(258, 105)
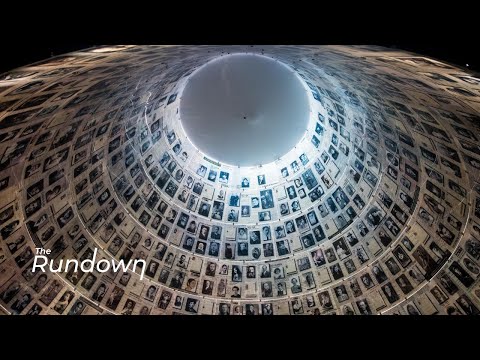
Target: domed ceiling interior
point(253, 180)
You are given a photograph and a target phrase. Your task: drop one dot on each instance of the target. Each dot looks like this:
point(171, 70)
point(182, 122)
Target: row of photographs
point(52, 296)
point(452, 181)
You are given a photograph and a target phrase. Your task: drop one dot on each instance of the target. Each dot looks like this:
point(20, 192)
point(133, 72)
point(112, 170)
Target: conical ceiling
point(251, 180)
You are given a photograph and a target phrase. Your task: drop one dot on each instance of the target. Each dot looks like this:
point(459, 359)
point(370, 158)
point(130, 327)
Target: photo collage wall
point(375, 211)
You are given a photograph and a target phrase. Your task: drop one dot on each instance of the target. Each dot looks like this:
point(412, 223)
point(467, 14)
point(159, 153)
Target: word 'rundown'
point(87, 265)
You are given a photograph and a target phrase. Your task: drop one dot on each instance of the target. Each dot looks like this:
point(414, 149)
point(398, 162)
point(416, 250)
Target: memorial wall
point(239, 180)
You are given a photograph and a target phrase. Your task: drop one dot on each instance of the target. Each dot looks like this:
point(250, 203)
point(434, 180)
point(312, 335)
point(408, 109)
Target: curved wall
point(375, 210)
